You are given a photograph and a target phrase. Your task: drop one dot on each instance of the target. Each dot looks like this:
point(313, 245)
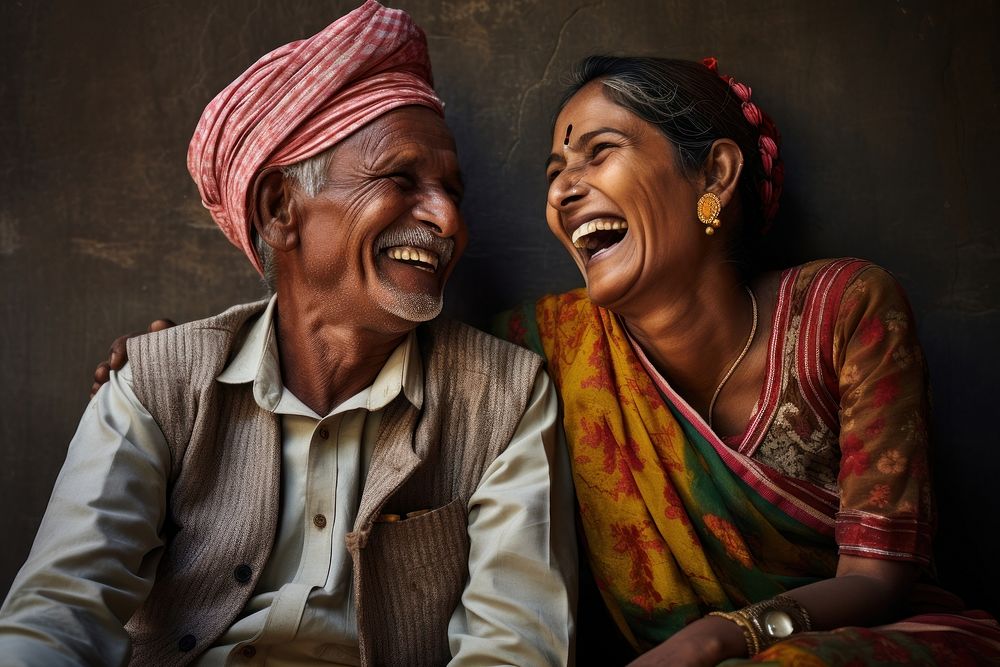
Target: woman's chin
point(607, 291)
point(610, 278)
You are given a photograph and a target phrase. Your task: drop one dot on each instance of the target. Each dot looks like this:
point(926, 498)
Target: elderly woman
point(749, 447)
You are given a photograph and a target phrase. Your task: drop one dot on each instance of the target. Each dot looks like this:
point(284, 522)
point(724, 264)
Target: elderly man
point(314, 478)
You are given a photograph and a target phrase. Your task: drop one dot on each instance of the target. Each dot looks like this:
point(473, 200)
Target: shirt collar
point(256, 361)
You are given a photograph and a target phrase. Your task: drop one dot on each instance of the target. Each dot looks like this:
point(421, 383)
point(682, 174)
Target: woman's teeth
point(586, 229)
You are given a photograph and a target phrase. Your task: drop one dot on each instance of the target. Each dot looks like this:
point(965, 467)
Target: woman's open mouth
point(598, 236)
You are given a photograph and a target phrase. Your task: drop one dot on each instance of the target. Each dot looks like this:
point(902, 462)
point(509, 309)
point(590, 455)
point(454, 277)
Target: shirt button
point(324, 434)
point(249, 651)
point(242, 573)
point(187, 643)
point(319, 521)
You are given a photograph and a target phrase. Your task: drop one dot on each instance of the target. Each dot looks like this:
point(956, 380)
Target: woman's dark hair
point(693, 107)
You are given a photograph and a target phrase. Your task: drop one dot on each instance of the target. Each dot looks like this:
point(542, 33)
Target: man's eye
point(401, 178)
point(553, 175)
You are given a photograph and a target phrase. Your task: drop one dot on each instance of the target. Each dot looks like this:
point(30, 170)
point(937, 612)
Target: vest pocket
point(414, 574)
point(440, 534)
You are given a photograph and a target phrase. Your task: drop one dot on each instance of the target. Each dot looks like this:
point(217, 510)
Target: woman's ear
point(274, 218)
point(722, 169)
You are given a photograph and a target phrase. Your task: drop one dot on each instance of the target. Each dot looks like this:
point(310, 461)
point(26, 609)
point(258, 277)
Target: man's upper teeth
point(596, 226)
point(410, 253)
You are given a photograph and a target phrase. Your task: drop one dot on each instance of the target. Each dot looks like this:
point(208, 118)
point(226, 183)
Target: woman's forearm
point(865, 592)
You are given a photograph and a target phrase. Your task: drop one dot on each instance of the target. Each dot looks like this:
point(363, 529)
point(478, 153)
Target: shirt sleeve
point(518, 607)
point(886, 509)
point(95, 555)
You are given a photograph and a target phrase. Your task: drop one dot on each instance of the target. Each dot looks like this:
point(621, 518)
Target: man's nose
point(439, 211)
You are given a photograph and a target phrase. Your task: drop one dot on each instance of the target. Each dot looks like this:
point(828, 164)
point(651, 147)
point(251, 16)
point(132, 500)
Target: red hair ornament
point(768, 143)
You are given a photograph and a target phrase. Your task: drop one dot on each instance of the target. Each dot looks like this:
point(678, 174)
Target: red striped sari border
point(904, 538)
point(808, 503)
point(754, 433)
point(809, 355)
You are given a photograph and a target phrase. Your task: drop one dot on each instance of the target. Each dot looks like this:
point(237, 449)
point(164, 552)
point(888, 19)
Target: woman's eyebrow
point(582, 139)
point(587, 136)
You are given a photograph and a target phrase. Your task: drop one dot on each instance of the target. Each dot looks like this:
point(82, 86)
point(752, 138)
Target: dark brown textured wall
point(888, 111)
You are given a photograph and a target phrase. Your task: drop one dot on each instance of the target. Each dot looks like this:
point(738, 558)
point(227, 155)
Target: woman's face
point(620, 204)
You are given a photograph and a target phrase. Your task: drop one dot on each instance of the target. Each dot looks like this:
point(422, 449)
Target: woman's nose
point(567, 188)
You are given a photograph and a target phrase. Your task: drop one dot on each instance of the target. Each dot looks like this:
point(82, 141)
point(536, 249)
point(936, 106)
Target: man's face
point(381, 238)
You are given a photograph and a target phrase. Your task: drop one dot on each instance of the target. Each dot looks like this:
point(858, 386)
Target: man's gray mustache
point(419, 237)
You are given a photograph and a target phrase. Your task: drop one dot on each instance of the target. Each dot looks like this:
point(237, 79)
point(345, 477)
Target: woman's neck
point(693, 337)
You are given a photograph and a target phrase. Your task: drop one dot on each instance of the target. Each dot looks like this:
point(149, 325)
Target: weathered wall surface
point(888, 112)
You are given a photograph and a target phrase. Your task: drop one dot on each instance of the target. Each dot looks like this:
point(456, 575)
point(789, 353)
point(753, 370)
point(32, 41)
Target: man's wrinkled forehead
point(416, 132)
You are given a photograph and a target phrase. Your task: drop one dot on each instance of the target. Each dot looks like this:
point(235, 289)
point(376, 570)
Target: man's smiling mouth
point(416, 247)
point(418, 257)
point(598, 236)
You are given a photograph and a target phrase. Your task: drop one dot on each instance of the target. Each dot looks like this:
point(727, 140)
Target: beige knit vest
point(224, 485)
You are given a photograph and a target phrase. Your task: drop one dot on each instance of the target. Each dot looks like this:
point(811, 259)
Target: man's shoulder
point(201, 344)
point(469, 366)
point(229, 320)
point(470, 347)
point(476, 382)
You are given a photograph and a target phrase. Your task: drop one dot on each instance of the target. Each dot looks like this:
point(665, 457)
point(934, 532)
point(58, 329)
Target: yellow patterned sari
point(677, 524)
point(673, 529)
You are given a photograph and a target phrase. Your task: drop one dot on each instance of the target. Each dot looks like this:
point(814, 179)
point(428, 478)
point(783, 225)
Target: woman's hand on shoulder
point(118, 354)
point(708, 641)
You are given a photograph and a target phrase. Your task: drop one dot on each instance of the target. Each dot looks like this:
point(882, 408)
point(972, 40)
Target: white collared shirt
point(514, 610)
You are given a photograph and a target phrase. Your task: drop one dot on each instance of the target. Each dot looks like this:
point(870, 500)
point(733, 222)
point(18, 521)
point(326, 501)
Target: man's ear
point(273, 211)
point(722, 169)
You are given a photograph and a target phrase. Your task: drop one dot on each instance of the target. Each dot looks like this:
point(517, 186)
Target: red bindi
point(569, 129)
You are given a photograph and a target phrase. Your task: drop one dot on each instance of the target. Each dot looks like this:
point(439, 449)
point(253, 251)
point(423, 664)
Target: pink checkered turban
point(299, 100)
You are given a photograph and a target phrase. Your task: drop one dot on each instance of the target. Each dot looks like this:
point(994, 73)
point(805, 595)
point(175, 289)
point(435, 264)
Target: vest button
point(249, 651)
point(242, 573)
point(187, 643)
point(319, 521)
point(324, 434)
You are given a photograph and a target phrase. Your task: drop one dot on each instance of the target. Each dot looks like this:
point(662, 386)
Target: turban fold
point(299, 100)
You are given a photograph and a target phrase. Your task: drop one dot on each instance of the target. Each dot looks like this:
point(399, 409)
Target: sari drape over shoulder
point(672, 531)
point(676, 523)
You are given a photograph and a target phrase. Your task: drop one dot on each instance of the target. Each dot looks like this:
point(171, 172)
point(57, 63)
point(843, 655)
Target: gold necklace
point(746, 348)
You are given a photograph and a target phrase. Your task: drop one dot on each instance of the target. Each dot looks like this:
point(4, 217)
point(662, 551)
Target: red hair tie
point(768, 142)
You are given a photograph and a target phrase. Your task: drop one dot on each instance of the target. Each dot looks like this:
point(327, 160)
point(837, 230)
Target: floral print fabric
point(677, 523)
point(671, 532)
point(845, 405)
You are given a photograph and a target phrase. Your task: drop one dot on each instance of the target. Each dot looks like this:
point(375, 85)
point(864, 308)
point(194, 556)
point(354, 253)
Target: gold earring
point(709, 208)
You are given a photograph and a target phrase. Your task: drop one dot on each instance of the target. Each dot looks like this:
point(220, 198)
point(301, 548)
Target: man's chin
point(410, 294)
point(415, 307)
